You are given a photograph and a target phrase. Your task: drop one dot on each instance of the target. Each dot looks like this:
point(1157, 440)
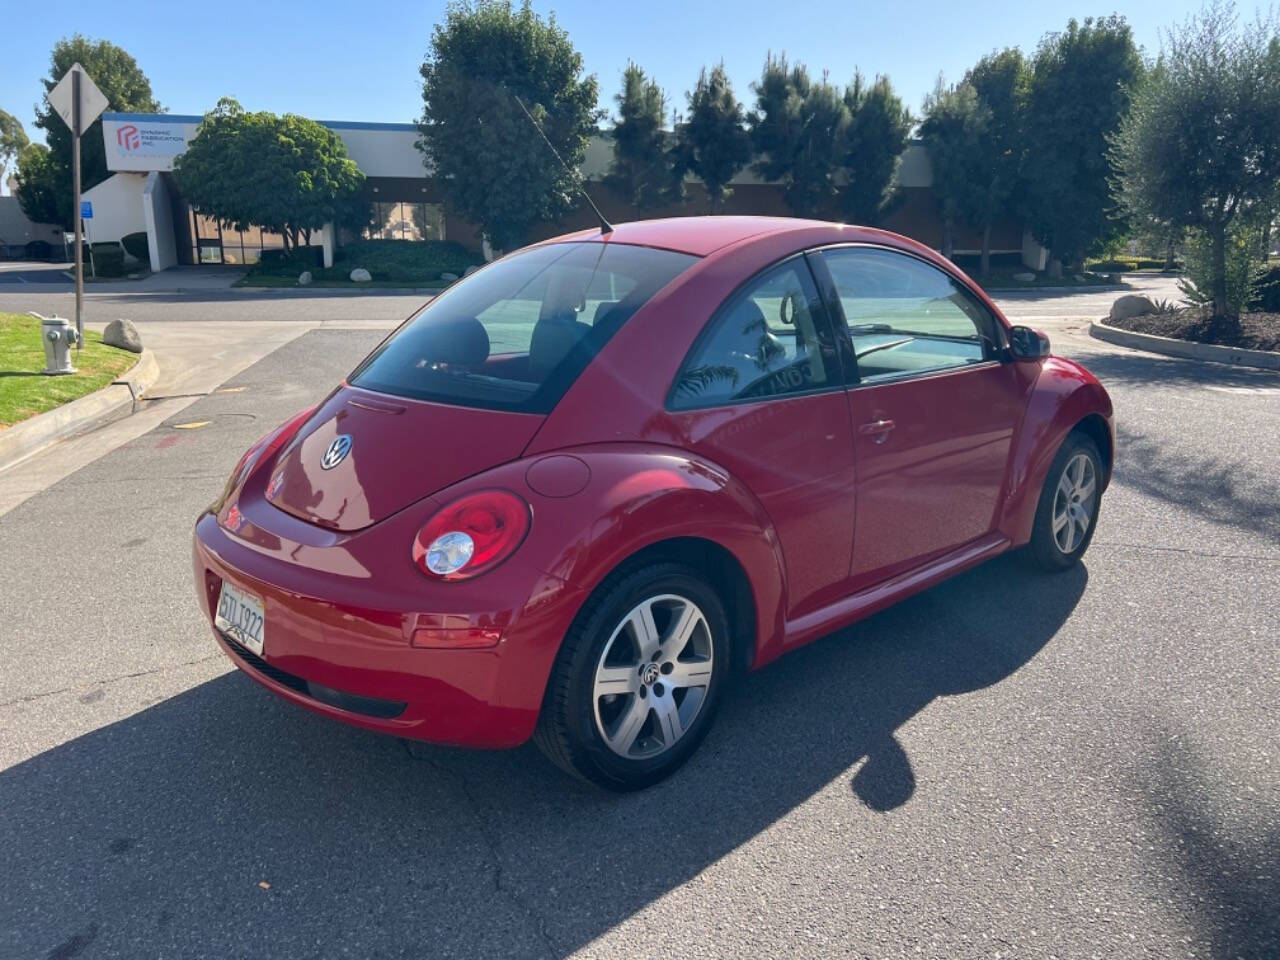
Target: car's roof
point(698, 236)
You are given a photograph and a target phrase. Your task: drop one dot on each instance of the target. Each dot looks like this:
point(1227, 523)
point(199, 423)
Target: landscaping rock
point(304, 278)
point(1131, 305)
point(448, 277)
point(360, 275)
point(470, 270)
point(1027, 277)
point(122, 334)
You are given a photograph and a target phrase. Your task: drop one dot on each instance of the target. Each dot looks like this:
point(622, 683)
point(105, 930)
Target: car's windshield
point(515, 335)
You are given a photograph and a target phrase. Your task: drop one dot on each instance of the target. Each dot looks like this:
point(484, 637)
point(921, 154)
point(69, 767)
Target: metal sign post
point(75, 204)
point(78, 101)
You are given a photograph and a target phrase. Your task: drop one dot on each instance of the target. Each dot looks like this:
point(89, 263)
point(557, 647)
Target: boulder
point(304, 278)
point(1131, 305)
point(1027, 277)
point(470, 270)
point(448, 277)
point(122, 334)
point(360, 275)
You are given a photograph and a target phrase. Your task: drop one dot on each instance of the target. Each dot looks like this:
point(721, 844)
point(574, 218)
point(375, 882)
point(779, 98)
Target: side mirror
point(1026, 343)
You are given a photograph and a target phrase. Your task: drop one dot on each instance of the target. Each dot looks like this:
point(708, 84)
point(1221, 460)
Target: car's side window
point(906, 316)
point(770, 339)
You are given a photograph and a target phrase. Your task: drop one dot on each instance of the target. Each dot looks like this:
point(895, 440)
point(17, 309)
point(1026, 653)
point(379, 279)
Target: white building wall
point(381, 149)
point(117, 208)
point(17, 231)
point(140, 143)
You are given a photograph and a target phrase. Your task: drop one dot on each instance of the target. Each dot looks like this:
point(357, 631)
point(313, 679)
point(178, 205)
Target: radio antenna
point(605, 225)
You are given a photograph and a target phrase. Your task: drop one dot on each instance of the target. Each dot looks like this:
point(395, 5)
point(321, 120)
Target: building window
point(212, 242)
point(401, 220)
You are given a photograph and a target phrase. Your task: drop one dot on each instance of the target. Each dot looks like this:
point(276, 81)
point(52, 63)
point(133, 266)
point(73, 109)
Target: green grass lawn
point(24, 391)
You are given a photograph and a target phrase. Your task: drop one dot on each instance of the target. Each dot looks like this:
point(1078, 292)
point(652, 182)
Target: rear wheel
point(638, 678)
point(1068, 510)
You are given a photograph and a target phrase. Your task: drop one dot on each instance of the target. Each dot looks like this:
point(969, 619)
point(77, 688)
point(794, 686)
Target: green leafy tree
point(641, 168)
point(877, 133)
point(1200, 149)
point(491, 163)
point(13, 140)
point(797, 132)
point(1077, 93)
point(713, 143)
point(285, 173)
point(955, 128)
point(999, 81)
point(127, 90)
point(38, 184)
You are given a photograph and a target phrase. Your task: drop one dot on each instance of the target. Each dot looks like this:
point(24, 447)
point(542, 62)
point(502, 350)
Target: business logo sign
point(139, 145)
point(128, 138)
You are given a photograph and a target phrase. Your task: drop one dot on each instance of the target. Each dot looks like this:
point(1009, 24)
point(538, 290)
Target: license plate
point(240, 617)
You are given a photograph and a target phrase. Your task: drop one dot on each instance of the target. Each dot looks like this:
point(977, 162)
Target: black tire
point(567, 730)
point(1044, 550)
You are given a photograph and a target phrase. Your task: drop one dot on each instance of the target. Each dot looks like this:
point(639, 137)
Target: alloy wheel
point(653, 676)
point(1074, 502)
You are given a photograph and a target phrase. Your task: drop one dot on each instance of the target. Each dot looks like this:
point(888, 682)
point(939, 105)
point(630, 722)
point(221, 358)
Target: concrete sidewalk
point(194, 360)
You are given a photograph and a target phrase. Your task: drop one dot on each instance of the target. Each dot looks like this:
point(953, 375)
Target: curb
point(1186, 349)
point(29, 437)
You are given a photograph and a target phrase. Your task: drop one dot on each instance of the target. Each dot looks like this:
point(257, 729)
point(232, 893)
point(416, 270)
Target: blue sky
point(354, 61)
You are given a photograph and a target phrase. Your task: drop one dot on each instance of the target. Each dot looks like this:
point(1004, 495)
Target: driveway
point(1010, 764)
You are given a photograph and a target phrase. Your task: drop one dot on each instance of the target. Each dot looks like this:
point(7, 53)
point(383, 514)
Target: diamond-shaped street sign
point(92, 100)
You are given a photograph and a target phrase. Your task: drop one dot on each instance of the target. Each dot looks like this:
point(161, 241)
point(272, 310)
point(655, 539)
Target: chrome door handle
point(877, 430)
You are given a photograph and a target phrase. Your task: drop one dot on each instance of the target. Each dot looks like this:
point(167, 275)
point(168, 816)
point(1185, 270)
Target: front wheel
point(637, 681)
point(1067, 513)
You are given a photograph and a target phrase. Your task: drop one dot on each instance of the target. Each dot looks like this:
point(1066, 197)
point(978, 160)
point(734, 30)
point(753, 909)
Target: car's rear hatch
point(399, 451)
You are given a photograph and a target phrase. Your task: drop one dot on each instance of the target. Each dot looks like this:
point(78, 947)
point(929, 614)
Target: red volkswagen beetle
point(571, 494)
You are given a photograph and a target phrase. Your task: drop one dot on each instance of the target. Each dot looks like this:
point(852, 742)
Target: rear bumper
point(331, 646)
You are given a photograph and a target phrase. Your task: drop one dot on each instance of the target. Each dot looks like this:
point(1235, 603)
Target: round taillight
point(471, 535)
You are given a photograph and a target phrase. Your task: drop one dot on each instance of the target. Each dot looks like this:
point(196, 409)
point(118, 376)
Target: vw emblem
point(649, 676)
point(337, 451)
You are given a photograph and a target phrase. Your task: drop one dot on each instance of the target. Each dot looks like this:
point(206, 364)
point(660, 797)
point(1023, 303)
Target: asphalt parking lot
point(1011, 764)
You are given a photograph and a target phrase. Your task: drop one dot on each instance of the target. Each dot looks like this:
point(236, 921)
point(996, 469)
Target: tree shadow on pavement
point(1225, 491)
point(224, 822)
point(1225, 862)
point(1137, 369)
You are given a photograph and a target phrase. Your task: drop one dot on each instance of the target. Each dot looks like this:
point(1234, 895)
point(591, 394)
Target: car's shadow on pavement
point(223, 822)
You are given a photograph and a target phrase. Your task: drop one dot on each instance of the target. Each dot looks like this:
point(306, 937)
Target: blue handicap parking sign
point(86, 209)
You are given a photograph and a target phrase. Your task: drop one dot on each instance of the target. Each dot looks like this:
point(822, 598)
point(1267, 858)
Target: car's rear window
point(516, 334)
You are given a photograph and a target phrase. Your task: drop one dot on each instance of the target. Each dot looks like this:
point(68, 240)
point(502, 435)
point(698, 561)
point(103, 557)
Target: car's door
point(762, 393)
point(933, 407)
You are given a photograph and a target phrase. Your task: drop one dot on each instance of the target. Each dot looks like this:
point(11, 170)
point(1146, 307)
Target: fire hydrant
point(59, 336)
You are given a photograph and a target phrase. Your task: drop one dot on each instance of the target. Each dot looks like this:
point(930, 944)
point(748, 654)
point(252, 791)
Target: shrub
point(286, 263)
point(135, 244)
point(108, 260)
point(1242, 269)
point(401, 260)
point(1266, 292)
point(1114, 266)
point(971, 262)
